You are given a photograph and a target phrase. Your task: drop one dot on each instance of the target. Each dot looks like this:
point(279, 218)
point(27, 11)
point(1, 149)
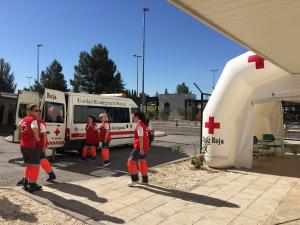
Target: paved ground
point(267, 194)
point(236, 197)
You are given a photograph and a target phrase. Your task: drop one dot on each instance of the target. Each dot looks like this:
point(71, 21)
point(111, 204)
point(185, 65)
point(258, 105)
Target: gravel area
point(16, 209)
point(180, 175)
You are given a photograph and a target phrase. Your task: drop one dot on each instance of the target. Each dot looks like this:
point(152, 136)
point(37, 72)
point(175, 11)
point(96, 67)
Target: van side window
point(54, 112)
point(115, 114)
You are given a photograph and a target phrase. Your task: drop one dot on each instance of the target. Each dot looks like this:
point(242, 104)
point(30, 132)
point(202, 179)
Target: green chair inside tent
point(257, 147)
point(269, 141)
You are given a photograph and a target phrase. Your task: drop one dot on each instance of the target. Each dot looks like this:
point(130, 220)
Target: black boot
point(32, 187)
point(52, 176)
point(21, 182)
point(145, 179)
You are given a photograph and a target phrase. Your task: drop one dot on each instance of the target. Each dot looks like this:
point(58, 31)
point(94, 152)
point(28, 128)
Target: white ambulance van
point(66, 115)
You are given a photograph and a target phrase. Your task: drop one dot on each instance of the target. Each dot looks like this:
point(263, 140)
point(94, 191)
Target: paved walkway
point(234, 197)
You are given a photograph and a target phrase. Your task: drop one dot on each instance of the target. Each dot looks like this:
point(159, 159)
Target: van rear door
point(25, 98)
point(54, 114)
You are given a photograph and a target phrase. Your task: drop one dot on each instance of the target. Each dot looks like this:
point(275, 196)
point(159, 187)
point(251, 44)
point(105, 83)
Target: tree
point(182, 89)
point(166, 91)
point(96, 73)
point(7, 78)
point(53, 78)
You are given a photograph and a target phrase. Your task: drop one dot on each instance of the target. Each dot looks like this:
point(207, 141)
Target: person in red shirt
point(105, 138)
point(31, 148)
point(92, 138)
point(45, 164)
point(141, 146)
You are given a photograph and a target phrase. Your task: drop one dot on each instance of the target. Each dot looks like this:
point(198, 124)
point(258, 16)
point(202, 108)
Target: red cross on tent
point(259, 61)
point(57, 132)
point(211, 125)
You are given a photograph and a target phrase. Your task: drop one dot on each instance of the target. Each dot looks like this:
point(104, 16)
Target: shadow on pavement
point(186, 196)
point(119, 156)
point(77, 191)
point(289, 166)
point(78, 207)
point(11, 211)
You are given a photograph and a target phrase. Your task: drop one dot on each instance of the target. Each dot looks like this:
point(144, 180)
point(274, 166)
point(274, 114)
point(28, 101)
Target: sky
point(178, 47)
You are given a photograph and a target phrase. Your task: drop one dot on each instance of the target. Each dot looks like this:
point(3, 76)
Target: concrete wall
point(176, 101)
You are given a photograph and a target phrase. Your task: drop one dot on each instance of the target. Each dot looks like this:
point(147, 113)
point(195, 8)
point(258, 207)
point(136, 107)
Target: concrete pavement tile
point(126, 190)
point(245, 221)
point(149, 219)
point(261, 215)
point(110, 207)
point(163, 211)
point(111, 195)
point(205, 189)
point(280, 219)
point(177, 204)
point(198, 209)
point(242, 204)
point(170, 222)
point(205, 221)
point(220, 217)
point(186, 218)
point(128, 213)
point(146, 205)
point(128, 200)
point(161, 199)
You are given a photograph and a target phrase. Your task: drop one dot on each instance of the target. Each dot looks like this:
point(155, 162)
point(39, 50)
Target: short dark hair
point(93, 118)
point(140, 115)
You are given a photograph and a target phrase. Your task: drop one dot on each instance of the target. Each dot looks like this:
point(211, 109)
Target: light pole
point(214, 72)
point(38, 62)
point(28, 77)
point(137, 76)
point(143, 71)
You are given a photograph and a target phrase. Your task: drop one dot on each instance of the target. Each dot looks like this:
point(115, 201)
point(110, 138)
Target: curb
point(47, 202)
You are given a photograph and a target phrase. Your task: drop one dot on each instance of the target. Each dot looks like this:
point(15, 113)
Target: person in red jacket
point(45, 164)
point(92, 138)
point(141, 146)
point(105, 138)
point(31, 148)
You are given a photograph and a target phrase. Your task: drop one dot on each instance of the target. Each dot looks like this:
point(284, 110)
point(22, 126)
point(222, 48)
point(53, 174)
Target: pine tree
point(96, 73)
point(7, 78)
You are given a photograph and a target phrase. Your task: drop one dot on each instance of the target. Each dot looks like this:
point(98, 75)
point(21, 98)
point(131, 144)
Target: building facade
point(176, 103)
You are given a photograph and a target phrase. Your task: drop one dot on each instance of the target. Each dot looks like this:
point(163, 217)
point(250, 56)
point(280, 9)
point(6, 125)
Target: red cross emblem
point(259, 61)
point(57, 132)
point(211, 125)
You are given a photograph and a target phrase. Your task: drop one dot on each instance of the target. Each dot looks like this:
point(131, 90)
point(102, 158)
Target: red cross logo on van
point(57, 132)
point(259, 61)
point(211, 125)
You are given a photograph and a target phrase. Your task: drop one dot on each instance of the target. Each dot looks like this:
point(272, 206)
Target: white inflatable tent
point(246, 102)
point(247, 98)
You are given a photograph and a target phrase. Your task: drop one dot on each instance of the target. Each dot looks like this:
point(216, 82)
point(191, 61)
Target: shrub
point(177, 149)
point(164, 114)
point(199, 161)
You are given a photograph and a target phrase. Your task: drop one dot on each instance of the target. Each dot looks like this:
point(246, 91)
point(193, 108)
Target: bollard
point(176, 121)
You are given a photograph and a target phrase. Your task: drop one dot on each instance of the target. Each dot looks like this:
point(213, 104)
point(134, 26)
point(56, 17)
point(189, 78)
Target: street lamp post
point(137, 76)
point(38, 62)
point(28, 77)
point(214, 72)
point(143, 71)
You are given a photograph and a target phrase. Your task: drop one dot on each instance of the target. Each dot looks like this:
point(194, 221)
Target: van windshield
point(115, 114)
